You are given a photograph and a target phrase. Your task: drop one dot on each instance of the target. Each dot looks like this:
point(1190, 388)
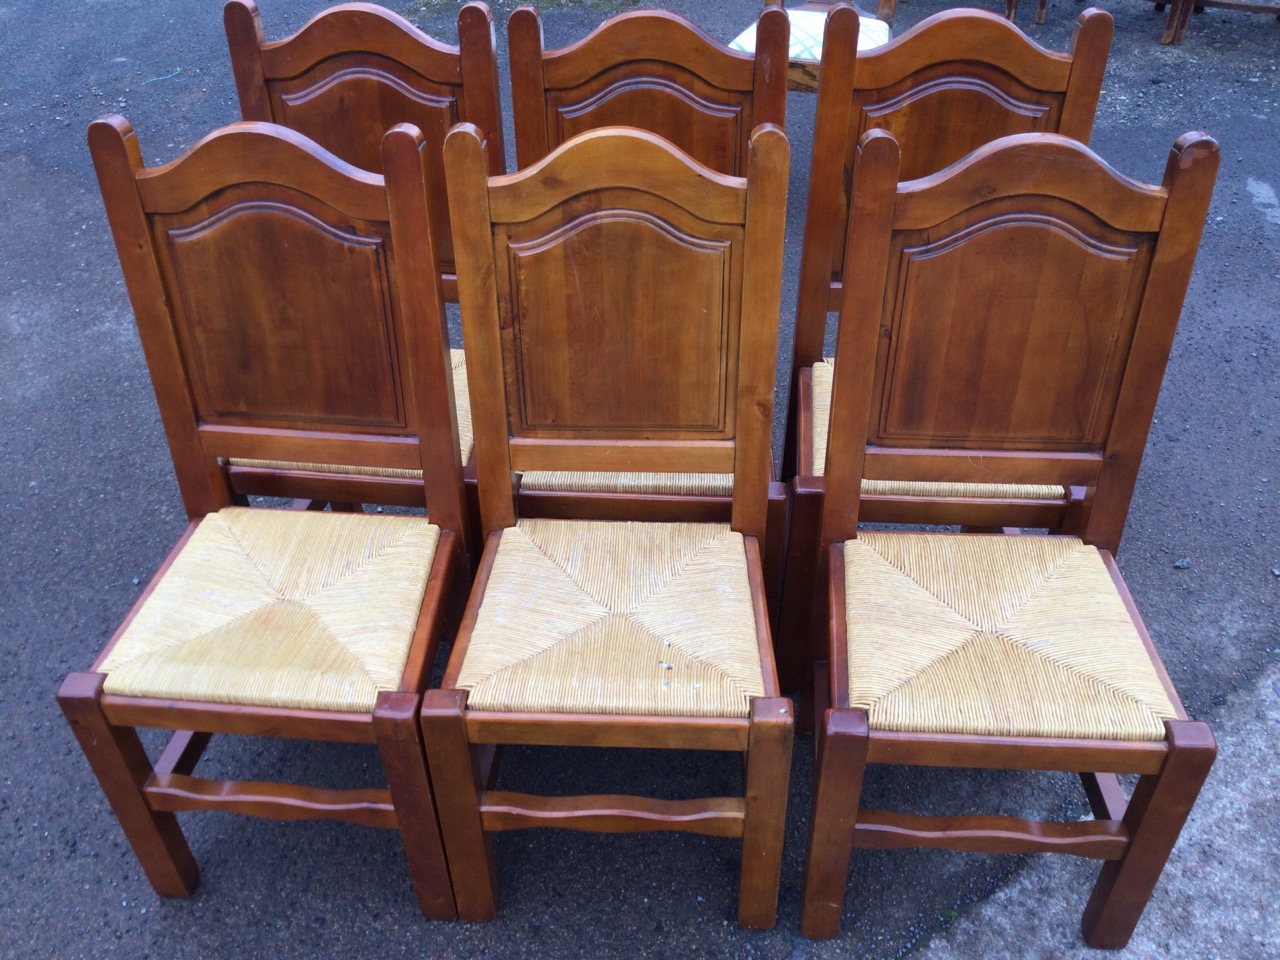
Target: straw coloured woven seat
point(995, 635)
point(823, 375)
point(280, 608)
point(631, 618)
point(688, 484)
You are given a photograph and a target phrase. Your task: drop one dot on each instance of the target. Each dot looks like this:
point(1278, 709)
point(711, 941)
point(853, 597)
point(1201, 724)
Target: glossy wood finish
point(950, 84)
point(1062, 281)
point(650, 69)
point(250, 356)
point(953, 82)
point(715, 817)
point(631, 393)
point(667, 365)
point(356, 70)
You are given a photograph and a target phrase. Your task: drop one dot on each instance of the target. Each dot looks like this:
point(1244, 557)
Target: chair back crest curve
point(599, 287)
point(953, 82)
point(1014, 316)
point(356, 70)
point(650, 69)
point(280, 318)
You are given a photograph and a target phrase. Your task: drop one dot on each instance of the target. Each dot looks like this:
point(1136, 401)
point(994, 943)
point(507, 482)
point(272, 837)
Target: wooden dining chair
point(1011, 323)
point(284, 315)
point(657, 71)
point(627, 633)
point(953, 82)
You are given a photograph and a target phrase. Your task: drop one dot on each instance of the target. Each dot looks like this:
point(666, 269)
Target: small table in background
point(806, 44)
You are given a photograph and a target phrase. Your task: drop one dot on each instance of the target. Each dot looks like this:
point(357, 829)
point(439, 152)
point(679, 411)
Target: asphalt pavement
point(90, 507)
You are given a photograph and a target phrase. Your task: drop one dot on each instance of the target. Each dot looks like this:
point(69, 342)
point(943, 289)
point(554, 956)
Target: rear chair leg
point(775, 551)
point(1154, 818)
point(842, 761)
point(122, 767)
point(458, 781)
point(395, 725)
point(794, 641)
point(765, 820)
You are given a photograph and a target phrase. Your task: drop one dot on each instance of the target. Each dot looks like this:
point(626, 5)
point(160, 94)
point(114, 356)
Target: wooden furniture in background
point(620, 304)
point(356, 70)
point(1180, 11)
point(1011, 323)
point(285, 316)
point(1011, 10)
point(948, 85)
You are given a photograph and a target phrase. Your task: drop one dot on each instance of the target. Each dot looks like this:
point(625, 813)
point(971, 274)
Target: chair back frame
point(650, 69)
point(357, 69)
point(953, 82)
point(250, 356)
point(1074, 278)
point(545, 253)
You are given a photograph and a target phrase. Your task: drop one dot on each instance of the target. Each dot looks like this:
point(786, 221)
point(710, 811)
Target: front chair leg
point(842, 761)
point(395, 725)
point(121, 765)
point(459, 787)
point(765, 815)
point(1154, 818)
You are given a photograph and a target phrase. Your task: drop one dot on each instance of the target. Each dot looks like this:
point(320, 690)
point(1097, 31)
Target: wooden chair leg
point(1176, 23)
point(1041, 9)
point(765, 817)
point(789, 439)
point(458, 789)
point(837, 788)
point(1154, 818)
point(775, 551)
point(795, 644)
point(395, 724)
point(121, 765)
point(818, 695)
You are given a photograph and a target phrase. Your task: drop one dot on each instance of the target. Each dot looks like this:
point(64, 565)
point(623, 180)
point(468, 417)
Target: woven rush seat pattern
point(466, 439)
point(823, 374)
point(619, 618)
point(661, 484)
point(282, 609)
point(995, 636)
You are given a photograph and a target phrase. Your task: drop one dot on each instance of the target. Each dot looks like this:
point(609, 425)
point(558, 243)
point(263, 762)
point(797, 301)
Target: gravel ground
point(90, 508)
